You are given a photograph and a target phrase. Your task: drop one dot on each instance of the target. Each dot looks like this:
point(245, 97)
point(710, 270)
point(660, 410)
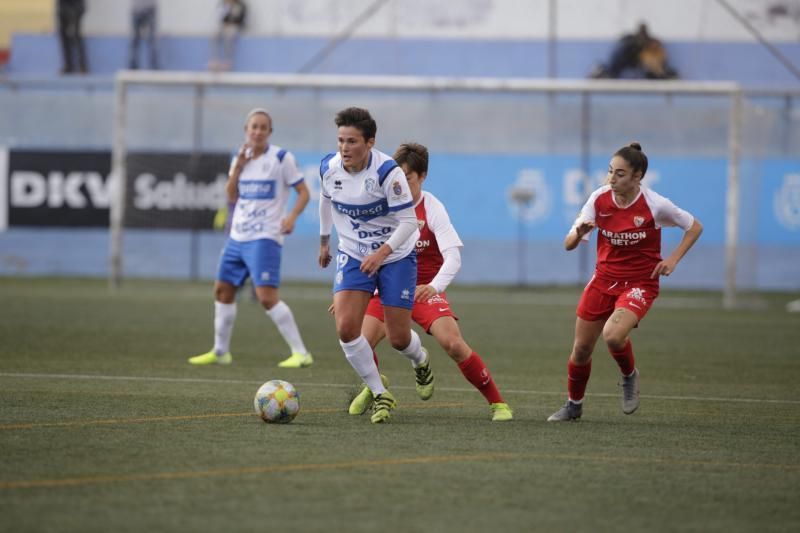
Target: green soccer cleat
point(501, 412)
point(297, 360)
point(211, 358)
point(363, 400)
point(382, 406)
point(424, 378)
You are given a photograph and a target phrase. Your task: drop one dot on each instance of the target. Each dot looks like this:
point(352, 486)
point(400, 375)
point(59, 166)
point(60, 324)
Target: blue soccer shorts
point(395, 281)
point(260, 260)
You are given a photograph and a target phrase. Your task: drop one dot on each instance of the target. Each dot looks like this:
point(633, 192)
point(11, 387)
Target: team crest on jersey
point(362, 248)
point(396, 188)
point(638, 221)
point(370, 184)
point(420, 224)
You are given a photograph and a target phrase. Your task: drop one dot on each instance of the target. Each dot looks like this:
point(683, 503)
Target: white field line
point(521, 298)
point(156, 379)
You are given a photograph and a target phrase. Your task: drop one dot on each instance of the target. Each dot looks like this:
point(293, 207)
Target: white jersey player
point(260, 180)
point(366, 196)
point(264, 187)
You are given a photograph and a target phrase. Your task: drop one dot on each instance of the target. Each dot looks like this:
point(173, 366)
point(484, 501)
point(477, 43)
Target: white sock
point(359, 355)
point(414, 351)
point(224, 317)
point(284, 320)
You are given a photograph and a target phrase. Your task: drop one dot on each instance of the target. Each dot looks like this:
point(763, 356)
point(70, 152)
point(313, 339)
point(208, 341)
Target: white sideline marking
point(345, 386)
point(520, 298)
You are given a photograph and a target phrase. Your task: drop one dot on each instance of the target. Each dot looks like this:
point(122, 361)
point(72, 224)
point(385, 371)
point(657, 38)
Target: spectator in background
point(232, 16)
point(70, 13)
point(143, 22)
point(638, 55)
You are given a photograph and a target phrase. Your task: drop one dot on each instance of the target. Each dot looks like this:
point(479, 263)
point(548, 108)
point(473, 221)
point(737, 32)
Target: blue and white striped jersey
point(363, 204)
point(264, 188)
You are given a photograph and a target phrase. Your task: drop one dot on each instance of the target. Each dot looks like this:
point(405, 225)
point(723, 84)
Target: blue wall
point(475, 189)
point(747, 63)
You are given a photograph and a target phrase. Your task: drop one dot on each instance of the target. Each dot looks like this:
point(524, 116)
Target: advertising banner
point(176, 191)
point(57, 188)
point(74, 189)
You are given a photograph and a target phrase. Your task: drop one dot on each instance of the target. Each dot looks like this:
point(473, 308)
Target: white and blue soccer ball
point(277, 402)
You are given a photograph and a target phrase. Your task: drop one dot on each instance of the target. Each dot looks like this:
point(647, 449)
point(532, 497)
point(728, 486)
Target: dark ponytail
point(635, 157)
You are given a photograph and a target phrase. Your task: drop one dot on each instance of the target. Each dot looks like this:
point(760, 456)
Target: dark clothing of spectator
point(637, 55)
point(143, 21)
point(233, 14)
point(70, 13)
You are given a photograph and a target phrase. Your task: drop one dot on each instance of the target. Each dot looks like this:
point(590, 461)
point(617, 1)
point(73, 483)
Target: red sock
point(625, 359)
point(375, 358)
point(476, 373)
point(577, 378)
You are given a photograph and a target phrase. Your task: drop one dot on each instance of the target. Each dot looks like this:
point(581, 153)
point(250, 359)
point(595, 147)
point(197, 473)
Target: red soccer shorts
point(423, 313)
point(601, 297)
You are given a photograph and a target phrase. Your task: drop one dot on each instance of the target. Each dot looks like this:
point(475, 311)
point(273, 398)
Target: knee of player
point(347, 334)
point(224, 294)
point(399, 343)
point(268, 302)
point(347, 330)
point(399, 339)
point(582, 351)
point(455, 347)
point(615, 338)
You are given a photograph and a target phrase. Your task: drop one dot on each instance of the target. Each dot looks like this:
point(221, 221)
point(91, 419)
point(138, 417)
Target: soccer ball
point(277, 402)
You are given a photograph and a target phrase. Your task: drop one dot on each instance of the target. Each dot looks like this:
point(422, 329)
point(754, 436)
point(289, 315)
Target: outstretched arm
point(575, 235)
point(667, 266)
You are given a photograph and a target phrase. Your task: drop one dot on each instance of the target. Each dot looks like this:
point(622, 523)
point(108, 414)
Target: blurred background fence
point(487, 137)
point(495, 140)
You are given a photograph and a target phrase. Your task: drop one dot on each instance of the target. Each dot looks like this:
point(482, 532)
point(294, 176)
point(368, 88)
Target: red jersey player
point(438, 261)
point(628, 217)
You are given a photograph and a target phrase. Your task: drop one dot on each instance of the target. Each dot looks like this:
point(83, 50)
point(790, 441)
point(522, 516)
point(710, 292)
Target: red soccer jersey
point(433, 220)
point(629, 238)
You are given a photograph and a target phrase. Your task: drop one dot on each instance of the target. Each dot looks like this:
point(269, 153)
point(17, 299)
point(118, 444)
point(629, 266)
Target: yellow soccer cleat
point(383, 404)
point(211, 358)
point(501, 412)
point(424, 378)
point(297, 360)
point(363, 400)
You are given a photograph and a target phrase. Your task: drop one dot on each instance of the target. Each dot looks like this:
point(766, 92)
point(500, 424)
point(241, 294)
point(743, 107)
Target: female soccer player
point(628, 217)
point(366, 195)
point(438, 261)
point(259, 182)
